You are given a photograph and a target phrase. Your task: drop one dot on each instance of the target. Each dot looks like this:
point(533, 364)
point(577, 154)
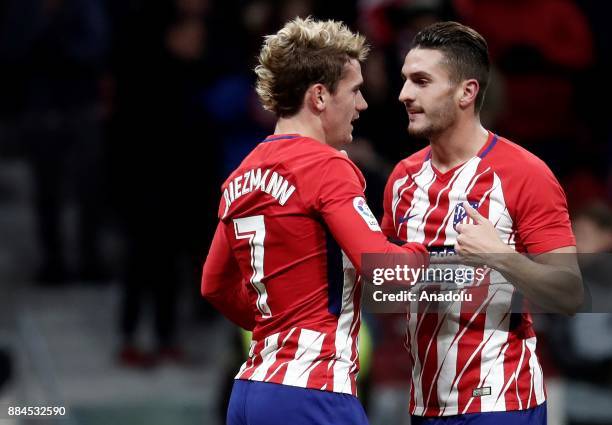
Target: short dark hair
point(465, 51)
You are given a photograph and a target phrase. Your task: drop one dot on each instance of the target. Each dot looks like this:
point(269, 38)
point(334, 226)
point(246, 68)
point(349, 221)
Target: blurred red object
point(539, 46)
point(582, 188)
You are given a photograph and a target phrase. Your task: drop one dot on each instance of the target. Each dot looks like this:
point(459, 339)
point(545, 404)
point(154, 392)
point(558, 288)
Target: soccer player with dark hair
point(292, 218)
point(478, 197)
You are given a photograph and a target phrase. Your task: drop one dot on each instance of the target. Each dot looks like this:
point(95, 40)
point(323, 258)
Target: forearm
point(356, 238)
point(234, 306)
point(223, 285)
point(554, 287)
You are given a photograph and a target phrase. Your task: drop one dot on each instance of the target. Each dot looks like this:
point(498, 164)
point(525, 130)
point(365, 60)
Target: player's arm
point(223, 285)
point(342, 205)
point(551, 279)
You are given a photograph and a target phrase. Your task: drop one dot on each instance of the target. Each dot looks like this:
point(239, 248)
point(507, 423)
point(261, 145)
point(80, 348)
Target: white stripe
point(419, 204)
point(268, 354)
point(456, 174)
point(432, 342)
point(413, 328)
point(447, 356)
point(396, 194)
point(492, 365)
point(344, 339)
point(469, 189)
point(486, 195)
point(451, 396)
point(450, 211)
point(397, 197)
point(538, 378)
point(309, 348)
point(250, 358)
point(499, 359)
point(496, 333)
point(457, 195)
point(508, 383)
point(517, 374)
point(531, 365)
point(291, 332)
point(498, 211)
point(399, 225)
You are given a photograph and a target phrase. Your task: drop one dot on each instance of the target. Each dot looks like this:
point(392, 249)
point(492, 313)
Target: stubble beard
point(439, 120)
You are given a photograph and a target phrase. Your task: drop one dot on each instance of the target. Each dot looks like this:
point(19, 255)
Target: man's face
point(428, 93)
point(344, 106)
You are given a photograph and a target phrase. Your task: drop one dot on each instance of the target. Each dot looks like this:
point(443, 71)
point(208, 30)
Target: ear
point(469, 91)
point(317, 97)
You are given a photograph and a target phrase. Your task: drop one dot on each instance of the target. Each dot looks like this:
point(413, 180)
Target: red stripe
point(483, 183)
point(436, 215)
point(521, 386)
point(524, 381)
point(318, 375)
point(405, 198)
point(513, 354)
point(527, 325)
point(330, 375)
point(401, 195)
point(480, 189)
point(280, 355)
point(475, 334)
point(429, 364)
point(402, 209)
point(532, 397)
point(276, 373)
point(468, 343)
point(255, 361)
point(456, 376)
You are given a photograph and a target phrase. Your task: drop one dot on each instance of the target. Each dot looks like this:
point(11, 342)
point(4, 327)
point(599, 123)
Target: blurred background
point(119, 120)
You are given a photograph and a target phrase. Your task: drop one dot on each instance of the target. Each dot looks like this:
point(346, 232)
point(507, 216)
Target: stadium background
point(119, 119)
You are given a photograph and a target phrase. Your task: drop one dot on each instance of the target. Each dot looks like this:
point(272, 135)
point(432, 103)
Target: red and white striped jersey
point(292, 218)
point(480, 359)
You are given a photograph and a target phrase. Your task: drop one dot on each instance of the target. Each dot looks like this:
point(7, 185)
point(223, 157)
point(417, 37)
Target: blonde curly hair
point(302, 53)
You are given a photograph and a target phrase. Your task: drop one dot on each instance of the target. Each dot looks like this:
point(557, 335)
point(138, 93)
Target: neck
point(301, 124)
point(457, 144)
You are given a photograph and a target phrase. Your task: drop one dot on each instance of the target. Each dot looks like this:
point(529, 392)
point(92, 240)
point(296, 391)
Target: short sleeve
point(542, 218)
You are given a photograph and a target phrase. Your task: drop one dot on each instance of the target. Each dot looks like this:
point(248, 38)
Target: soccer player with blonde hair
point(292, 219)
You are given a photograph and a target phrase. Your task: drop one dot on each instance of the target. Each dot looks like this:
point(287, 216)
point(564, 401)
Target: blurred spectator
point(59, 47)
point(583, 345)
point(165, 161)
point(593, 228)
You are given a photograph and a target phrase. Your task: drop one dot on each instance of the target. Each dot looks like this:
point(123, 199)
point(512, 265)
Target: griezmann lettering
point(270, 182)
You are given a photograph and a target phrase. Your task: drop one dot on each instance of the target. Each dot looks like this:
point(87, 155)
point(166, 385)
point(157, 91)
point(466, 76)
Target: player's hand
point(477, 242)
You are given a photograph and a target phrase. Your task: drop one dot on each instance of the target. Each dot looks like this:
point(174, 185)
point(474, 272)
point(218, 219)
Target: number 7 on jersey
point(254, 229)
